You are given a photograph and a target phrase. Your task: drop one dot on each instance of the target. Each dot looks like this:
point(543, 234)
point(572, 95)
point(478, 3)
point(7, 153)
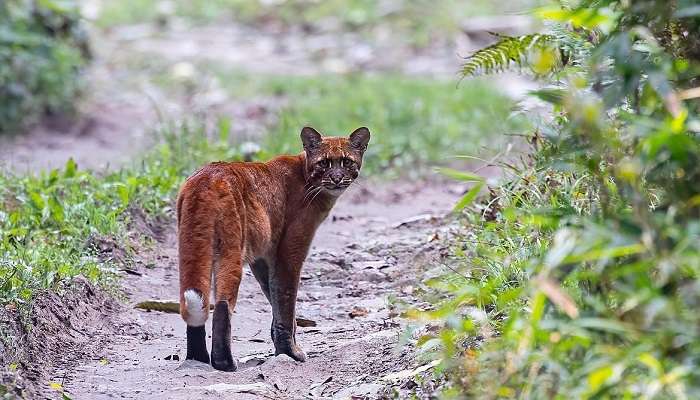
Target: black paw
point(223, 362)
point(197, 344)
point(221, 339)
point(292, 350)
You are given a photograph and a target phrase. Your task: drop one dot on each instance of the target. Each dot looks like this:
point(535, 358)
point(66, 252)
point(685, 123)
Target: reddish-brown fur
point(264, 215)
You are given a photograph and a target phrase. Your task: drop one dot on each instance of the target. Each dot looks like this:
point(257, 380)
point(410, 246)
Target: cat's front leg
point(284, 283)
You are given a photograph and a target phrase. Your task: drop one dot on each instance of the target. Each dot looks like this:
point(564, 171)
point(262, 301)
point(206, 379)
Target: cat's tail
point(196, 253)
point(195, 313)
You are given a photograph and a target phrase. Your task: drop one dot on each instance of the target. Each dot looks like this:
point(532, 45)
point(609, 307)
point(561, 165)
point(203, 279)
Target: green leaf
point(550, 95)
point(37, 200)
point(606, 252)
point(599, 377)
point(58, 6)
point(469, 197)
point(651, 362)
point(123, 193)
point(56, 209)
point(605, 325)
point(460, 175)
point(538, 304)
point(71, 168)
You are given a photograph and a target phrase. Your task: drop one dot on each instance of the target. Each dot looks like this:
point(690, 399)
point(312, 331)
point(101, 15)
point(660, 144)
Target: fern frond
point(574, 46)
point(500, 55)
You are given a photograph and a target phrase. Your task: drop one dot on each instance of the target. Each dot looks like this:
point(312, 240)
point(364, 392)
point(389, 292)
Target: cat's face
point(333, 163)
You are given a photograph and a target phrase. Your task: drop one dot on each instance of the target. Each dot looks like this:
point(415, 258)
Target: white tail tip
point(196, 314)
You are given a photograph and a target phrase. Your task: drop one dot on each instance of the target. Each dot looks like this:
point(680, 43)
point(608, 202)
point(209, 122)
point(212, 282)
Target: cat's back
point(215, 181)
point(222, 175)
point(258, 185)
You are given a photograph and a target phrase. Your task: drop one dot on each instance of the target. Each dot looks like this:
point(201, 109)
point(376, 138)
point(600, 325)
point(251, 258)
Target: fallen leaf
point(156, 305)
point(172, 307)
point(416, 219)
point(305, 323)
point(253, 360)
point(131, 271)
point(408, 373)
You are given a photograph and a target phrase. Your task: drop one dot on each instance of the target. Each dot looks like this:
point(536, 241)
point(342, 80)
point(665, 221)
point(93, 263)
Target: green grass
point(415, 122)
point(49, 222)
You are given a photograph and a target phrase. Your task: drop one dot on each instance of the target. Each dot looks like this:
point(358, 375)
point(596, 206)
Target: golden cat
point(264, 215)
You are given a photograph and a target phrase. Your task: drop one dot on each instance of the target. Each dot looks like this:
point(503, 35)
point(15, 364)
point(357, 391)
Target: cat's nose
point(336, 177)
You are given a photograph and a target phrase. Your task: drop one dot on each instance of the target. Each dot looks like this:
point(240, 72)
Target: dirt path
point(370, 249)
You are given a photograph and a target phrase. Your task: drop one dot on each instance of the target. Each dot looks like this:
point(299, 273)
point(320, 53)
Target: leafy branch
point(563, 45)
point(508, 50)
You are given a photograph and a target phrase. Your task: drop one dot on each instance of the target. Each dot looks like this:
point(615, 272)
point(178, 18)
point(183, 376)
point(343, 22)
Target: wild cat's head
point(333, 163)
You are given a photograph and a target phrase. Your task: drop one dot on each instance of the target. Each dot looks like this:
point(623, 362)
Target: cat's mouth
point(335, 190)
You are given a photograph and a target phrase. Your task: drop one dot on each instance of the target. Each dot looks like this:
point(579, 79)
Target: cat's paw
point(223, 362)
point(293, 351)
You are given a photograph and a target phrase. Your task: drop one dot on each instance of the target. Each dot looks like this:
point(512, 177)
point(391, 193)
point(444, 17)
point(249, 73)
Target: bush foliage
point(42, 48)
point(580, 278)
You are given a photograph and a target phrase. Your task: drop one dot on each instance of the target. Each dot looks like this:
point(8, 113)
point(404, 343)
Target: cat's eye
point(347, 163)
point(325, 163)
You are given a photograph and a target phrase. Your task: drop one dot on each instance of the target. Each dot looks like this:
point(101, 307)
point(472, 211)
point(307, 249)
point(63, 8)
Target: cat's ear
point(359, 138)
point(310, 138)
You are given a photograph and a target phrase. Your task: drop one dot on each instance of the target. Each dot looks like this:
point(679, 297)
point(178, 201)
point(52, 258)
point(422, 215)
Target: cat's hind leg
point(228, 279)
point(195, 254)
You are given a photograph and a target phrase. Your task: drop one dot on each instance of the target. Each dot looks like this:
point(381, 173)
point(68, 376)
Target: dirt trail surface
point(374, 243)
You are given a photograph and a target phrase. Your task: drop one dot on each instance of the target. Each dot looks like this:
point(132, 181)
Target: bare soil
point(366, 258)
point(59, 331)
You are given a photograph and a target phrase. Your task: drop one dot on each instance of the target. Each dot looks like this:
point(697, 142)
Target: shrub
point(42, 49)
point(580, 278)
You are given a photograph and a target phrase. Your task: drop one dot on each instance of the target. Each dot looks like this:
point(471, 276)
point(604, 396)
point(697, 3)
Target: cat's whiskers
point(307, 192)
point(312, 193)
point(317, 192)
